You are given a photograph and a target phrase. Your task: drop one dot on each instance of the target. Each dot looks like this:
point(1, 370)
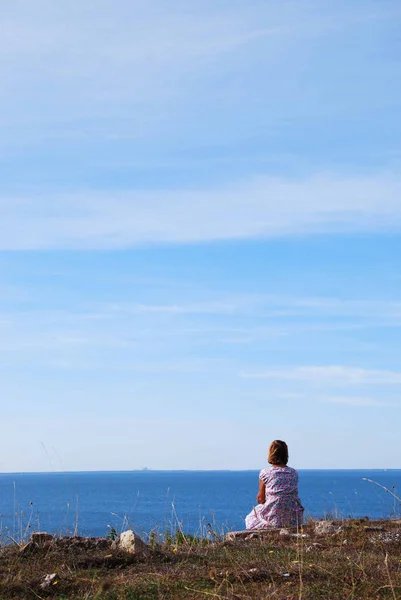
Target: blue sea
point(197, 501)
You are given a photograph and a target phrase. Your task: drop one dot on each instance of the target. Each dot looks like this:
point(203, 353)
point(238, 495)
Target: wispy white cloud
point(191, 317)
point(196, 308)
point(260, 208)
point(361, 401)
point(105, 54)
point(97, 63)
point(295, 313)
point(330, 374)
point(345, 400)
point(13, 293)
point(342, 307)
point(174, 81)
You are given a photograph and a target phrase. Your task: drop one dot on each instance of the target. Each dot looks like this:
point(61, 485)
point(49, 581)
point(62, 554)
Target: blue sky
point(200, 215)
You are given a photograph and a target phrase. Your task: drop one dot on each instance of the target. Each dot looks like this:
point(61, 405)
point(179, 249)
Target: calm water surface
point(93, 502)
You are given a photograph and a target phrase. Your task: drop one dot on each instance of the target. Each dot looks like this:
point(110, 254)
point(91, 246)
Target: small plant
point(112, 535)
point(153, 540)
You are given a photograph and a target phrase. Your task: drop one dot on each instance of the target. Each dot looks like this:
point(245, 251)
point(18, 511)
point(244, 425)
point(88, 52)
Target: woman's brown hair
point(278, 453)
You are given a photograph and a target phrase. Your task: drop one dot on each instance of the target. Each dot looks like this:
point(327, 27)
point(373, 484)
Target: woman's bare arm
point(261, 497)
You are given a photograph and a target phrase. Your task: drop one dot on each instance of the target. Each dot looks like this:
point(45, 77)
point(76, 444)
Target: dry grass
point(362, 561)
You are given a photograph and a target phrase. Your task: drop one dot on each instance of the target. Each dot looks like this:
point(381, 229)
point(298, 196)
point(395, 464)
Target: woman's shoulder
point(264, 474)
point(292, 472)
point(277, 472)
point(285, 472)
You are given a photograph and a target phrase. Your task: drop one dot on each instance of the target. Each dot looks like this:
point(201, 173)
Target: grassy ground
point(362, 561)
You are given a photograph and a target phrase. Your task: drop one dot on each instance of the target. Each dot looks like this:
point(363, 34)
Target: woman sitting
point(278, 501)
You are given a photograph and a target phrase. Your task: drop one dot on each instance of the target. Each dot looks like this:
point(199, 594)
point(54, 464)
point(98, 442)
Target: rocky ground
point(326, 560)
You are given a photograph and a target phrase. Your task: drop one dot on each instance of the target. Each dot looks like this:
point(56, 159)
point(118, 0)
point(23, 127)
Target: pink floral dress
point(282, 507)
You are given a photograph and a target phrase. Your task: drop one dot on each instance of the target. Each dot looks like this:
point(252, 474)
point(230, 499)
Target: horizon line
point(147, 470)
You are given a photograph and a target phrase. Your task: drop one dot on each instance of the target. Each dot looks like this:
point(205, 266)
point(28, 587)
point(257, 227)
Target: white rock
point(130, 542)
point(48, 580)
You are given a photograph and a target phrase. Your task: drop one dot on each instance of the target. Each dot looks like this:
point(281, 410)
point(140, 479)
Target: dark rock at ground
point(44, 541)
point(76, 542)
point(41, 537)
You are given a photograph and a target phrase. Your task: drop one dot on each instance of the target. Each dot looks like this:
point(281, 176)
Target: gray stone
point(248, 534)
point(129, 542)
point(286, 533)
point(326, 528)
